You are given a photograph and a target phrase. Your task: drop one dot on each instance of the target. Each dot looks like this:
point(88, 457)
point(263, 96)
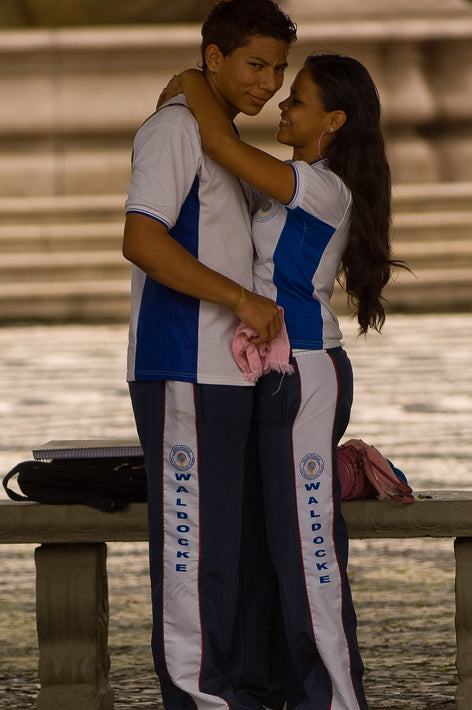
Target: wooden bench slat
point(433, 514)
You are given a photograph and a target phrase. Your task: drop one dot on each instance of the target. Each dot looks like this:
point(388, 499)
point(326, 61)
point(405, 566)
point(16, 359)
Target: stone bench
point(72, 590)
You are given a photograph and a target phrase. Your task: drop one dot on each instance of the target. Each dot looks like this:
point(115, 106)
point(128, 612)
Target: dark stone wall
point(70, 13)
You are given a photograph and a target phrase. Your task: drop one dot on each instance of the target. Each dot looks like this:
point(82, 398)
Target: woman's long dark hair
point(357, 156)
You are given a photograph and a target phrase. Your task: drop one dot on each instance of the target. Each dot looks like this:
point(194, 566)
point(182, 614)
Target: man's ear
point(213, 57)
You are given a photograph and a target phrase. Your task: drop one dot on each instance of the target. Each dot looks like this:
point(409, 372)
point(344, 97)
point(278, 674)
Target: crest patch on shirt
point(268, 210)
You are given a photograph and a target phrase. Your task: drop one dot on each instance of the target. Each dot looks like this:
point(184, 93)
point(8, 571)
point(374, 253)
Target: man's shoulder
point(175, 114)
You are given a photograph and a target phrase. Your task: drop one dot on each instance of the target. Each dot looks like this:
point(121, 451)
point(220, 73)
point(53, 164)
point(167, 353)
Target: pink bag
point(365, 473)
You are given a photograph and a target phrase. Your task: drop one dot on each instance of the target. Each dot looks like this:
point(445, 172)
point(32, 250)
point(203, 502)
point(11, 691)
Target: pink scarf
point(365, 473)
point(256, 360)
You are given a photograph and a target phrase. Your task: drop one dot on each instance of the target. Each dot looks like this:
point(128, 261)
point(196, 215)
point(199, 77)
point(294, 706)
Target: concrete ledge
point(38, 523)
point(433, 514)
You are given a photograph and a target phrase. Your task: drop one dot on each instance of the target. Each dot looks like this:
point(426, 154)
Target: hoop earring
point(319, 143)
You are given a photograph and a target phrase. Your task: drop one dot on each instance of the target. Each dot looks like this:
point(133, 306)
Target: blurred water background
point(413, 391)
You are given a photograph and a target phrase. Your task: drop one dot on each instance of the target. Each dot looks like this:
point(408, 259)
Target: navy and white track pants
point(300, 420)
point(194, 439)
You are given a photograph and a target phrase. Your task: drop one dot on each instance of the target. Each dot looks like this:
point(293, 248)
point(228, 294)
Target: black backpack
point(108, 484)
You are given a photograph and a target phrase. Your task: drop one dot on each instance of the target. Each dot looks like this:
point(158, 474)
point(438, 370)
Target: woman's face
point(303, 118)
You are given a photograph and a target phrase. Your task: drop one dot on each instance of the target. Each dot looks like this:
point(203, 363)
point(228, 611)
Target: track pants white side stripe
point(312, 442)
point(182, 630)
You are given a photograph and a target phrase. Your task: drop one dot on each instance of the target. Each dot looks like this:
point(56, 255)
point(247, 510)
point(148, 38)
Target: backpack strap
point(62, 493)
point(10, 492)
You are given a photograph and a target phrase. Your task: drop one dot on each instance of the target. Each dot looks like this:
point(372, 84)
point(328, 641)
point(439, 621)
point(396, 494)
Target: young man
point(188, 234)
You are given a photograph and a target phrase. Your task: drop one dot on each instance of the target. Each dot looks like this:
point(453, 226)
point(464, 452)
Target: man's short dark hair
point(231, 22)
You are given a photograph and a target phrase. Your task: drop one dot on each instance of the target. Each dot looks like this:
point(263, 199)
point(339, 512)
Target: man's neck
point(230, 110)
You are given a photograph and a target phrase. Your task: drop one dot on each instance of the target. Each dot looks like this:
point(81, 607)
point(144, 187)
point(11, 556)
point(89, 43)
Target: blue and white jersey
point(299, 249)
point(173, 336)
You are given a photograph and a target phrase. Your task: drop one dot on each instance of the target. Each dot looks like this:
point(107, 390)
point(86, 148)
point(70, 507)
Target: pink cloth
point(256, 360)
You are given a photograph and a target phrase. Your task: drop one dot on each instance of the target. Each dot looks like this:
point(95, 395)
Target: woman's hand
point(173, 88)
point(176, 85)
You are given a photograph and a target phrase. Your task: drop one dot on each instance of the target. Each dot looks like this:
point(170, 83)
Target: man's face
point(246, 79)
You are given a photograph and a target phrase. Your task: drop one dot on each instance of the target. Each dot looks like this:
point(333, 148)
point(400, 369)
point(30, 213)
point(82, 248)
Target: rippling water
point(413, 391)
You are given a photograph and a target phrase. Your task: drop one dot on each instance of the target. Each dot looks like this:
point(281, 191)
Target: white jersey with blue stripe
point(299, 249)
point(174, 336)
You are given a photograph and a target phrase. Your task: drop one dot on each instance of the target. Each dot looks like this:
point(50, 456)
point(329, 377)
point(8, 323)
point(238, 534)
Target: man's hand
point(261, 314)
point(148, 244)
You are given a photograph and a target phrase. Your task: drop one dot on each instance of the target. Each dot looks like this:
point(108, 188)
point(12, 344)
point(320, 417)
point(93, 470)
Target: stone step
point(60, 266)
point(427, 290)
point(61, 256)
point(62, 208)
point(432, 197)
point(449, 254)
point(97, 300)
point(78, 230)
point(48, 251)
point(26, 238)
point(431, 225)
point(65, 235)
point(93, 262)
point(101, 300)
point(406, 198)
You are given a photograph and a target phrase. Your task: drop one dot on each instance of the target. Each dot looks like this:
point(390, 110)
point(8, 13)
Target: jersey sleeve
point(167, 155)
point(320, 192)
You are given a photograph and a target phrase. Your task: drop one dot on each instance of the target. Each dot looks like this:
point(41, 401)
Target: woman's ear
point(213, 57)
point(337, 119)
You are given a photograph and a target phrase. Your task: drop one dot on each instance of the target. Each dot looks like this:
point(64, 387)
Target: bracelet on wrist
point(240, 299)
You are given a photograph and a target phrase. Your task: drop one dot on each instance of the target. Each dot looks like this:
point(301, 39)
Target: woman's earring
point(319, 143)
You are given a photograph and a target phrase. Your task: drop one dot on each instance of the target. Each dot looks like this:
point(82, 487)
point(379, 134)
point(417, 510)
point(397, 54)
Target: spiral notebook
point(87, 449)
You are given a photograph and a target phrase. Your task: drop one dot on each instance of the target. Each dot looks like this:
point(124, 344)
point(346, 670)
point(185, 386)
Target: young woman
point(325, 213)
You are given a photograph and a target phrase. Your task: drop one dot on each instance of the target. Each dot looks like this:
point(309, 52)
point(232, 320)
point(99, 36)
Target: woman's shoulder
point(320, 191)
point(320, 173)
